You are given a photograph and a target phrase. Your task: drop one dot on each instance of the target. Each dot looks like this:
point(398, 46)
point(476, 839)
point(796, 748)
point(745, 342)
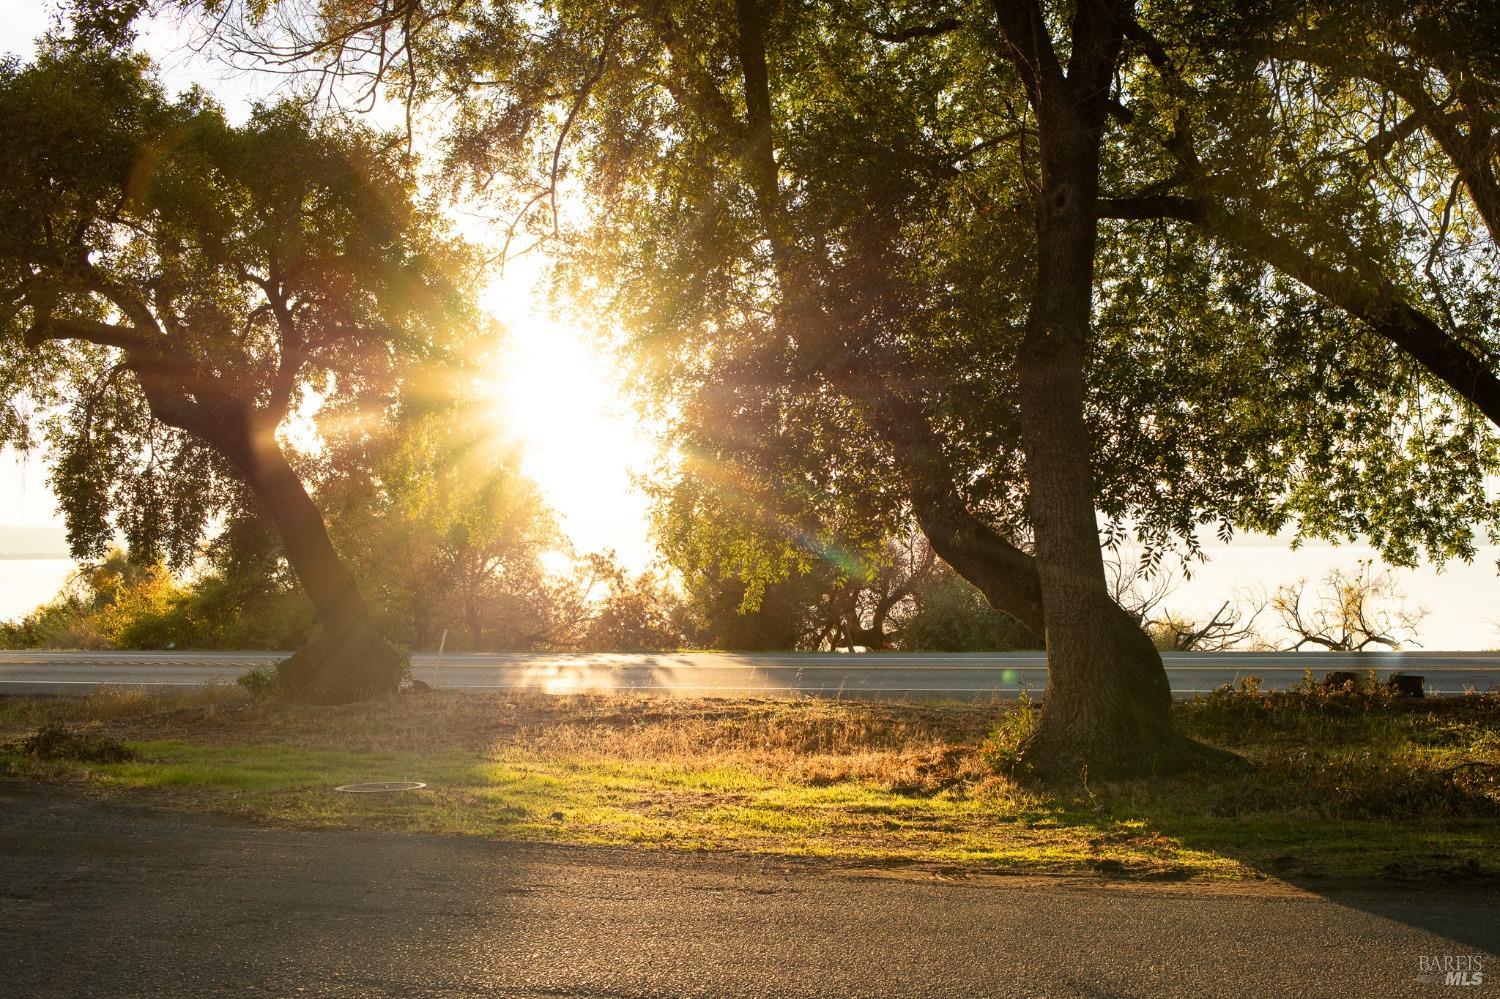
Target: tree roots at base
point(1150, 751)
point(354, 666)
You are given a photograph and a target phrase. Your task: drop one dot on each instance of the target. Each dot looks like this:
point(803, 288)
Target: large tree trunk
point(1110, 681)
point(1098, 714)
point(1114, 682)
point(348, 660)
point(1107, 711)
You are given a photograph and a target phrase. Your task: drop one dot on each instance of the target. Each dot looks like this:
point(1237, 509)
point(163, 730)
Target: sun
point(555, 396)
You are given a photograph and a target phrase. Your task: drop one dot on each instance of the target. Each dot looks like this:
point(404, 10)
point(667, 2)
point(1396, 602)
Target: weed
point(260, 682)
point(1001, 751)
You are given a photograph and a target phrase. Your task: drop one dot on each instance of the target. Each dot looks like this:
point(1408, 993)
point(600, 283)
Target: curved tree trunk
point(1115, 685)
point(1108, 706)
point(348, 660)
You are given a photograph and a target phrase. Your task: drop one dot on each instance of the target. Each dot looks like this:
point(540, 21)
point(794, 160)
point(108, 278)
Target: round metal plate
point(381, 786)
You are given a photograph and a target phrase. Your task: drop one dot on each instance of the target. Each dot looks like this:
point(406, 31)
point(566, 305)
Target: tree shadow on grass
point(1390, 808)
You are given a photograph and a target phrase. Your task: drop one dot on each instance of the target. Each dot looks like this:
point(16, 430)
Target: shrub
point(59, 742)
point(1002, 750)
point(1246, 710)
point(260, 682)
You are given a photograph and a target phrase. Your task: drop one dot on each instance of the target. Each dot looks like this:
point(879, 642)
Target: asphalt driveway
point(106, 899)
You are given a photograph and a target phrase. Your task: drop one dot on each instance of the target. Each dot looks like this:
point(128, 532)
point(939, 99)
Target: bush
point(260, 682)
point(1246, 710)
point(953, 616)
point(59, 742)
point(1002, 750)
point(121, 604)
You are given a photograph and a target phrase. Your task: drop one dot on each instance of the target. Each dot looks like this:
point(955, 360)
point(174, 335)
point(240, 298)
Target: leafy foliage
point(952, 616)
point(122, 603)
point(901, 161)
point(167, 275)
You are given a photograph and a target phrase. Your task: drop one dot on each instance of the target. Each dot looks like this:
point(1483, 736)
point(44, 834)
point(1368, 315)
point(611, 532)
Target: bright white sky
point(560, 398)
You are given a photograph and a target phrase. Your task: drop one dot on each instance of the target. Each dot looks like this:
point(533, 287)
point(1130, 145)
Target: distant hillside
point(33, 542)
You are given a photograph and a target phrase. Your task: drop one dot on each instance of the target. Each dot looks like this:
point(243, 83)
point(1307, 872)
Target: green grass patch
point(1357, 785)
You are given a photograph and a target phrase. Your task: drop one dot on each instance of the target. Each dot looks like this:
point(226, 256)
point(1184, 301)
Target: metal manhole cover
point(381, 786)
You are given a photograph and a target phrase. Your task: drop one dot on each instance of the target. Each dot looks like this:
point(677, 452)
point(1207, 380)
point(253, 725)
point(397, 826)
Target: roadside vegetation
point(908, 600)
point(1348, 784)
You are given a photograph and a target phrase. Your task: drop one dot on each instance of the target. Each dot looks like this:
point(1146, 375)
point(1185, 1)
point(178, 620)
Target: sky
point(561, 399)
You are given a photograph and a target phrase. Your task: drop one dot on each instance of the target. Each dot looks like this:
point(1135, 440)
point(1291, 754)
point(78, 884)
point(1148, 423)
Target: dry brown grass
point(817, 742)
point(123, 706)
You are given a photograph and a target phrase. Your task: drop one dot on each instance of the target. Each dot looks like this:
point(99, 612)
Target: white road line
point(111, 683)
point(1239, 667)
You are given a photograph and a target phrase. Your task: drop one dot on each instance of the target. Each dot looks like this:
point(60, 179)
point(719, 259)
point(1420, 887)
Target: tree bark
point(1103, 713)
point(348, 660)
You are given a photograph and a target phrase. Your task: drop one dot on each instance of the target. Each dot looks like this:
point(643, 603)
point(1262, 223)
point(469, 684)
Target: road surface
point(105, 900)
point(945, 675)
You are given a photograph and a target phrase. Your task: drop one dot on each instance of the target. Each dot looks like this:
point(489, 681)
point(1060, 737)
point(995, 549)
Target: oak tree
point(176, 287)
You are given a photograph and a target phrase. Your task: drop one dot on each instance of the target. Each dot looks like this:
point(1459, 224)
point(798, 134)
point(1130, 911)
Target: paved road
point(970, 676)
point(101, 900)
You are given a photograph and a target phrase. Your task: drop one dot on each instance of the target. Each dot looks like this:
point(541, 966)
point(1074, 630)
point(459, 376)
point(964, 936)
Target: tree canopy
point(177, 286)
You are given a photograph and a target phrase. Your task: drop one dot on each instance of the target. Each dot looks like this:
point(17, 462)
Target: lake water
point(25, 583)
point(1463, 601)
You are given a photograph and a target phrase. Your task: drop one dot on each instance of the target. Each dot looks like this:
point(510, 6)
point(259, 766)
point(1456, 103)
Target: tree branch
point(52, 328)
point(1471, 160)
point(1150, 206)
point(1025, 30)
point(915, 31)
point(1380, 306)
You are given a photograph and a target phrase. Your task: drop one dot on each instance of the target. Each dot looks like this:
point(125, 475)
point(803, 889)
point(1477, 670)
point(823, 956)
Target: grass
point(1349, 784)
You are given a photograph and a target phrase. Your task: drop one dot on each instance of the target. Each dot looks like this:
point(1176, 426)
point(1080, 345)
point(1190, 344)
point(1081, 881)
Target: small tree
point(1352, 611)
point(1231, 626)
point(446, 527)
point(872, 607)
point(173, 287)
point(638, 613)
point(1142, 585)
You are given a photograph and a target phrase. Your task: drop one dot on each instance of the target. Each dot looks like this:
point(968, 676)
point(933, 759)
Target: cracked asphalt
point(108, 899)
